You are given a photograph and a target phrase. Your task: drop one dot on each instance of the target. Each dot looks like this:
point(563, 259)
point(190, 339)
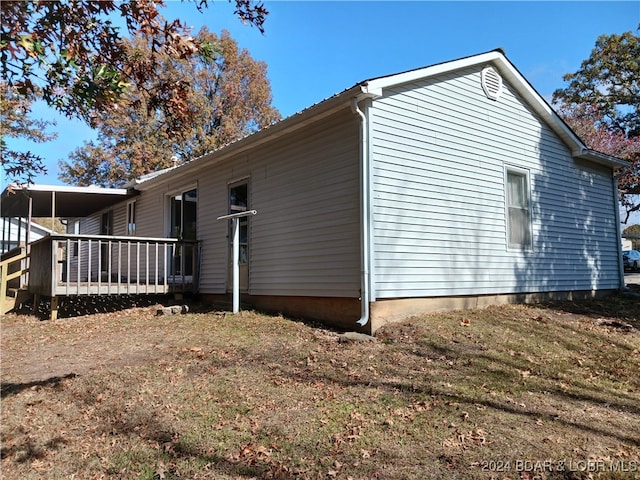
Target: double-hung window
point(518, 200)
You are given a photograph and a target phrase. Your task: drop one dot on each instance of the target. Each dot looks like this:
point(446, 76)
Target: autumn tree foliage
point(72, 54)
point(601, 102)
point(16, 122)
point(228, 96)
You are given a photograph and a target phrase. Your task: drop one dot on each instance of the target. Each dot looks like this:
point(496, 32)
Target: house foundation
point(398, 309)
point(343, 313)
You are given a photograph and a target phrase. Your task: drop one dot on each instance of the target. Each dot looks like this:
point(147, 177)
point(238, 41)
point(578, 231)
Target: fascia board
point(75, 189)
point(378, 84)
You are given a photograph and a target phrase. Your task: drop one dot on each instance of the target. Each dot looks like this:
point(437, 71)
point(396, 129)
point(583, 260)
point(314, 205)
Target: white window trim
point(526, 173)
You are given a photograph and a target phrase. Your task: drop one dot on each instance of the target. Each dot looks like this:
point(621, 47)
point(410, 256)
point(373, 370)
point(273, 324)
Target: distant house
point(450, 186)
point(17, 231)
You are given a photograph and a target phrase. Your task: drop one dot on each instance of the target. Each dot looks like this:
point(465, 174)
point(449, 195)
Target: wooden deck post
point(54, 308)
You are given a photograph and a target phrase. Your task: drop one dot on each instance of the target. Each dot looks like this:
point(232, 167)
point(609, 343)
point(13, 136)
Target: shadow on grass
point(151, 431)
point(421, 391)
point(506, 372)
point(29, 450)
point(624, 307)
point(8, 388)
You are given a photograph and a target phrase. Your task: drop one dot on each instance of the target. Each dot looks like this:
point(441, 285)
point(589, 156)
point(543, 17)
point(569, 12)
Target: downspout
point(364, 214)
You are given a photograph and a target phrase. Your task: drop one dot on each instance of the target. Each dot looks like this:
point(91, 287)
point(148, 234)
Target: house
point(17, 232)
point(450, 186)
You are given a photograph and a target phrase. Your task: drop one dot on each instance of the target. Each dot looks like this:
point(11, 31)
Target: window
point(518, 209)
point(239, 202)
point(106, 223)
point(183, 216)
point(131, 218)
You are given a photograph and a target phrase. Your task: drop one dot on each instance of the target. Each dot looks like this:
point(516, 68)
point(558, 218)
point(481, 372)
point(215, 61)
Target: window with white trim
point(518, 200)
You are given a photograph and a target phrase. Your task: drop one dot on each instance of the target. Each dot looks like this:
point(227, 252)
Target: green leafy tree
point(16, 122)
point(601, 102)
point(72, 55)
point(228, 96)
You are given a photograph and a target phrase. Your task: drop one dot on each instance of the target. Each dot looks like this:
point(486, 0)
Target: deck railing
point(110, 265)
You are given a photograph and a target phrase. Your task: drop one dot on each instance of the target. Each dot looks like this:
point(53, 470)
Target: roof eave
point(59, 200)
point(299, 120)
point(600, 158)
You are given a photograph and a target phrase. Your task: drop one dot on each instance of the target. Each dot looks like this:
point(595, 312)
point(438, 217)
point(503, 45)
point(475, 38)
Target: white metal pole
point(235, 222)
point(235, 232)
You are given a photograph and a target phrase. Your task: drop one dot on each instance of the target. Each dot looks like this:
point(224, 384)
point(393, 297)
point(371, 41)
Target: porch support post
point(54, 307)
point(28, 236)
point(53, 208)
point(235, 231)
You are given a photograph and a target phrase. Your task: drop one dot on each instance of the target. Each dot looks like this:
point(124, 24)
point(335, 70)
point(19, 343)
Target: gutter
point(599, 158)
point(365, 293)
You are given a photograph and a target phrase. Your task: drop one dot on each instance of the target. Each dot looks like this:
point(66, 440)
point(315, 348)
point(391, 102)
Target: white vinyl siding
point(304, 241)
point(439, 226)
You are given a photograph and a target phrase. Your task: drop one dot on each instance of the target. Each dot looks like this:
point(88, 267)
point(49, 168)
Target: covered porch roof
point(59, 200)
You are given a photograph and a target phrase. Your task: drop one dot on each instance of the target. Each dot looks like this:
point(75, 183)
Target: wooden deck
point(72, 265)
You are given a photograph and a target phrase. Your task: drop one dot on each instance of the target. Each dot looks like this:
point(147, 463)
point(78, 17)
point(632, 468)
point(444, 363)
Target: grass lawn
point(511, 392)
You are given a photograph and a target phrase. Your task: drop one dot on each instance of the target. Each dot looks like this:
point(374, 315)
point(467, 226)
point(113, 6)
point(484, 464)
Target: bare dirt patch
point(34, 351)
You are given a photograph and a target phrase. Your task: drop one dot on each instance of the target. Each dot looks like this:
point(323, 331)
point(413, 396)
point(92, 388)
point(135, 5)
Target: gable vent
point(491, 83)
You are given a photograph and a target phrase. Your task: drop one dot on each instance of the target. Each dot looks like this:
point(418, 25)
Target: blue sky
point(316, 49)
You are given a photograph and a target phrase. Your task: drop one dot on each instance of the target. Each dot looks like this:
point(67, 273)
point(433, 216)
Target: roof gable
point(496, 58)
